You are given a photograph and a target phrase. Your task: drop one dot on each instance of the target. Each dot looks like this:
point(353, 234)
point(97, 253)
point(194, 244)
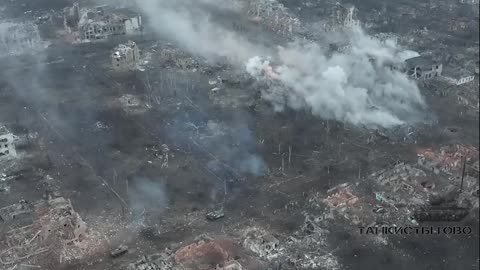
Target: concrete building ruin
point(101, 22)
point(423, 68)
point(19, 38)
point(125, 56)
point(7, 143)
point(346, 15)
point(71, 17)
point(457, 76)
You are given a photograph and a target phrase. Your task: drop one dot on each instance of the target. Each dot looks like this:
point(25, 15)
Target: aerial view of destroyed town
point(239, 134)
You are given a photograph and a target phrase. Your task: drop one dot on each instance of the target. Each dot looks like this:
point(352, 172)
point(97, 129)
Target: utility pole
point(463, 173)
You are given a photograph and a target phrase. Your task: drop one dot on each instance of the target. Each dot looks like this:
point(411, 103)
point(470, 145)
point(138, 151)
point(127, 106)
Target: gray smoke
point(145, 195)
point(357, 86)
point(347, 87)
point(190, 24)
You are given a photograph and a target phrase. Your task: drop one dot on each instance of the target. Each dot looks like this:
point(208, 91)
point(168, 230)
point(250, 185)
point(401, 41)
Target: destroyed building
point(423, 68)
point(71, 17)
point(18, 38)
point(447, 159)
point(345, 16)
point(46, 232)
point(125, 56)
point(7, 143)
point(172, 57)
point(457, 76)
point(101, 22)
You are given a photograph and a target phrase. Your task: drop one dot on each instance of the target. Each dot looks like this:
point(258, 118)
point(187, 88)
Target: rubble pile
point(306, 247)
point(174, 58)
point(341, 201)
point(63, 230)
point(53, 228)
point(404, 185)
point(263, 244)
point(342, 197)
point(157, 261)
point(20, 245)
point(448, 159)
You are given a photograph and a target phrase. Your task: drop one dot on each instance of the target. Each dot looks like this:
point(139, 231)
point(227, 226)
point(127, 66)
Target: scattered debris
point(157, 261)
point(263, 244)
point(447, 159)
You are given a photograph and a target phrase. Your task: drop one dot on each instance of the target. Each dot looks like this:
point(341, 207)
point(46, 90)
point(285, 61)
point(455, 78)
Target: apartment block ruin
point(457, 76)
point(7, 143)
point(101, 22)
point(423, 68)
point(20, 37)
point(125, 56)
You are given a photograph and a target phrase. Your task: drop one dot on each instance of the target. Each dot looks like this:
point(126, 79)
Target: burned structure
point(423, 68)
point(345, 16)
point(125, 56)
point(71, 17)
point(101, 22)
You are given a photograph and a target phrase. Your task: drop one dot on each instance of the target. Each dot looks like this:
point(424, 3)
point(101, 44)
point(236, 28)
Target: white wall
point(133, 25)
point(7, 144)
point(465, 80)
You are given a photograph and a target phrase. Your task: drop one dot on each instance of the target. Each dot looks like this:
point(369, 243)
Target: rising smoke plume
point(358, 86)
point(146, 195)
point(355, 86)
point(190, 24)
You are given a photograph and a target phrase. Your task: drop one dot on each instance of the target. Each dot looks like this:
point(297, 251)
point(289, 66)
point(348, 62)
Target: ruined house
point(344, 17)
point(7, 143)
point(125, 56)
point(423, 68)
point(101, 22)
point(46, 232)
point(457, 76)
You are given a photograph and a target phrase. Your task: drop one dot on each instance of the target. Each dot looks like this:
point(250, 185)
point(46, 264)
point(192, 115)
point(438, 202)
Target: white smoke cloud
point(190, 25)
point(349, 87)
